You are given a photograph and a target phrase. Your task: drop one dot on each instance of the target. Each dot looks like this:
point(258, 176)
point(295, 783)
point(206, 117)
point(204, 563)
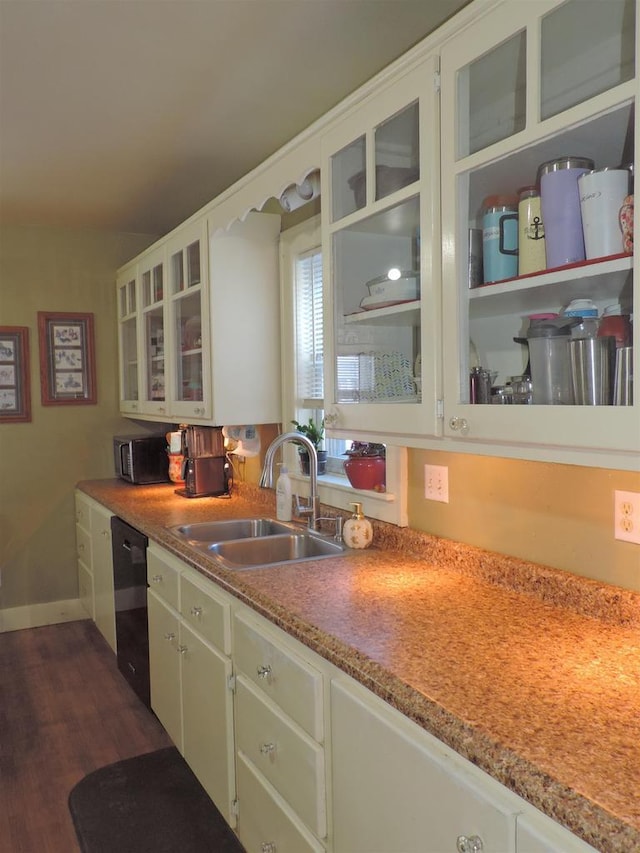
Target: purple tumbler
point(560, 201)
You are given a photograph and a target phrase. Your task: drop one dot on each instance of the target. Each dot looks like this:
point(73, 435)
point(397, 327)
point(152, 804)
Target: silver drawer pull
point(156, 579)
point(471, 844)
point(196, 611)
point(267, 847)
point(182, 649)
point(267, 748)
point(264, 671)
point(169, 636)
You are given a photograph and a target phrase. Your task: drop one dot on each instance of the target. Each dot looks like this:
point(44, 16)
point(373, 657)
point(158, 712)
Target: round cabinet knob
point(156, 579)
point(182, 649)
point(459, 425)
point(81, 547)
point(267, 748)
point(469, 844)
point(267, 847)
point(196, 611)
point(264, 671)
point(169, 636)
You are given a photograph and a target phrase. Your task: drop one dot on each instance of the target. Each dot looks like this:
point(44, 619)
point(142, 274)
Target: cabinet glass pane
point(188, 329)
point(587, 48)
point(147, 298)
point(158, 283)
point(377, 284)
point(491, 96)
point(348, 179)
point(193, 264)
point(397, 152)
point(129, 360)
point(154, 347)
point(176, 272)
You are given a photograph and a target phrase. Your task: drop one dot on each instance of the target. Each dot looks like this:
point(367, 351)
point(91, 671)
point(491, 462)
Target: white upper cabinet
point(153, 392)
point(525, 84)
point(382, 260)
point(128, 352)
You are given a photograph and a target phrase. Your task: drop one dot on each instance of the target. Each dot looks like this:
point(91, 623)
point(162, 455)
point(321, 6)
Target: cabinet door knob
point(264, 671)
point(182, 649)
point(267, 748)
point(267, 847)
point(81, 547)
point(469, 844)
point(156, 579)
point(459, 425)
point(196, 611)
point(170, 636)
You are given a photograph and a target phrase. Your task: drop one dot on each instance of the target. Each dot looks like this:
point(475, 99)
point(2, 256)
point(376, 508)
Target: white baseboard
point(36, 615)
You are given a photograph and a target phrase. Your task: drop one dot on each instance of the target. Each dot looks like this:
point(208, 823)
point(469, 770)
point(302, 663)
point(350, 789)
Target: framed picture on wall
point(67, 359)
point(15, 390)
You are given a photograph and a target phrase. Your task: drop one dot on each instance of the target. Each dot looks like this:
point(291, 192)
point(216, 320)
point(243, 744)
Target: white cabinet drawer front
point(287, 679)
point(207, 613)
point(85, 589)
point(264, 819)
point(162, 578)
point(283, 753)
point(83, 545)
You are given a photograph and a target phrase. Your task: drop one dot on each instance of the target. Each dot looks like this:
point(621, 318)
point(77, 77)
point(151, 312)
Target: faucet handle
point(338, 521)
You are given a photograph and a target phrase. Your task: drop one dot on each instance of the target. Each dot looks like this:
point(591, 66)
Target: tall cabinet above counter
point(199, 326)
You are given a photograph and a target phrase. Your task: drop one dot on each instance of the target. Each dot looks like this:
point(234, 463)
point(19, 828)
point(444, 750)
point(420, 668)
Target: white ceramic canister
point(531, 242)
point(602, 194)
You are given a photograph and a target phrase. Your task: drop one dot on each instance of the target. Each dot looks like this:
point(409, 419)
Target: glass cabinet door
point(152, 285)
point(526, 86)
point(188, 303)
point(128, 339)
point(381, 229)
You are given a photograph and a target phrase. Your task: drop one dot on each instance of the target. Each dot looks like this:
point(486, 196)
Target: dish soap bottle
point(283, 495)
point(357, 531)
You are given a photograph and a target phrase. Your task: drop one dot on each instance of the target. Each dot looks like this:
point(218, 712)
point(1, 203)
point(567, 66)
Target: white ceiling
point(130, 115)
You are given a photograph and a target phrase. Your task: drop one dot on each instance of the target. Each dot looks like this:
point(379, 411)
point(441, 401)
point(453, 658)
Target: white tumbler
point(602, 194)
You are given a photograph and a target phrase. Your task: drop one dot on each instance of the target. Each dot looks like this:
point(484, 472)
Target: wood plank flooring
point(65, 710)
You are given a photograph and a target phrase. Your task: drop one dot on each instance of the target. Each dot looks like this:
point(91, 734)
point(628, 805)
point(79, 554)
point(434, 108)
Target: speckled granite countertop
point(531, 673)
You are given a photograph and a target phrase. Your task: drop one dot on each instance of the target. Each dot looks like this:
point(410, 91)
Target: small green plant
point(313, 431)
point(365, 448)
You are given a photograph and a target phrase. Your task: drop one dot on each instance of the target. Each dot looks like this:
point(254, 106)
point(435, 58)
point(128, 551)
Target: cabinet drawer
point(265, 822)
point(83, 511)
point(83, 545)
point(85, 589)
point(162, 578)
point(291, 682)
point(283, 753)
point(206, 612)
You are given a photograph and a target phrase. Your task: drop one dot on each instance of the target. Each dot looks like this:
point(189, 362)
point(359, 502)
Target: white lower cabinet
point(95, 564)
point(164, 665)
point(395, 787)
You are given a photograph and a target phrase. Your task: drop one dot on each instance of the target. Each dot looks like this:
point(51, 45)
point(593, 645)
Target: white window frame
point(335, 490)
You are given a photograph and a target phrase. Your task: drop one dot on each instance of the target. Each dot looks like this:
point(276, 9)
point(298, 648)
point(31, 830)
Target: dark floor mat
point(149, 804)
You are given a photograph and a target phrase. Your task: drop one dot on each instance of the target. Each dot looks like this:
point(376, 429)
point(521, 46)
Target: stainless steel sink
point(246, 543)
point(288, 548)
point(236, 528)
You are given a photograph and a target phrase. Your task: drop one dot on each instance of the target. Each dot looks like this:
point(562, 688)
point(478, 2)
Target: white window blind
point(309, 332)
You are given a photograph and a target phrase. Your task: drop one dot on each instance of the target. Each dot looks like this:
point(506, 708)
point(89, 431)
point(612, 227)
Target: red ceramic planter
point(366, 472)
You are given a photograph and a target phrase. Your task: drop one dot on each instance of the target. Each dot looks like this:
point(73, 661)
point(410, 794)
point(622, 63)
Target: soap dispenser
point(357, 531)
point(283, 495)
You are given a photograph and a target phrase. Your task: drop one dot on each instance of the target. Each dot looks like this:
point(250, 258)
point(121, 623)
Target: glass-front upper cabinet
point(539, 137)
point(127, 307)
point(188, 305)
point(381, 239)
point(154, 390)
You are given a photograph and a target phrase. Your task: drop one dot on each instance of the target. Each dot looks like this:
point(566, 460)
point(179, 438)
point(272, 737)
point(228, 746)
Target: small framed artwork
point(67, 359)
point(15, 391)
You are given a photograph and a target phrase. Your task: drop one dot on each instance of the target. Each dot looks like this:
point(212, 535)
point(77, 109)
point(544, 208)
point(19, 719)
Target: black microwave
point(141, 458)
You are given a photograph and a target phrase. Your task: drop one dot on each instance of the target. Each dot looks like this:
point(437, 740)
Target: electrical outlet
point(436, 483)
point(627, 516)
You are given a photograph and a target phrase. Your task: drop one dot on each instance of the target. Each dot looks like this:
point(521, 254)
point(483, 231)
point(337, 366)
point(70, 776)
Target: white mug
point(602, 193)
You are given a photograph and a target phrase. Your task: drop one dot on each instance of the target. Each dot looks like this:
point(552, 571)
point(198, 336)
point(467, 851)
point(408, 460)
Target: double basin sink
point(247, 543)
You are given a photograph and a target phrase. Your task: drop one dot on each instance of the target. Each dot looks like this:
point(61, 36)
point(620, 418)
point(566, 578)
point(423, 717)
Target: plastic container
point(549, 358)
point(616, 324)
point(283, 495)
point(587, 312)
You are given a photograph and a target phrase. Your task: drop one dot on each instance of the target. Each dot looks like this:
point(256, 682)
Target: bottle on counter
point(283, 495)
point(357, 531)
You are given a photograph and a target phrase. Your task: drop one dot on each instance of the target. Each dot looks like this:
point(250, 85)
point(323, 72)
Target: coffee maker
point(205, 469)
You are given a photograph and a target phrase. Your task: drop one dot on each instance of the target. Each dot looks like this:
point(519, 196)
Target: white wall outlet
point(627, 516)
point(436, 483)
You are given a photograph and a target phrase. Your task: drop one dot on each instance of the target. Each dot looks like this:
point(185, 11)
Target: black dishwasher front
point(130, 591)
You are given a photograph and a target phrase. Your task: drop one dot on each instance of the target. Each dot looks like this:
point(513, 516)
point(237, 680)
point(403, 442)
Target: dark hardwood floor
point(65, 710)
